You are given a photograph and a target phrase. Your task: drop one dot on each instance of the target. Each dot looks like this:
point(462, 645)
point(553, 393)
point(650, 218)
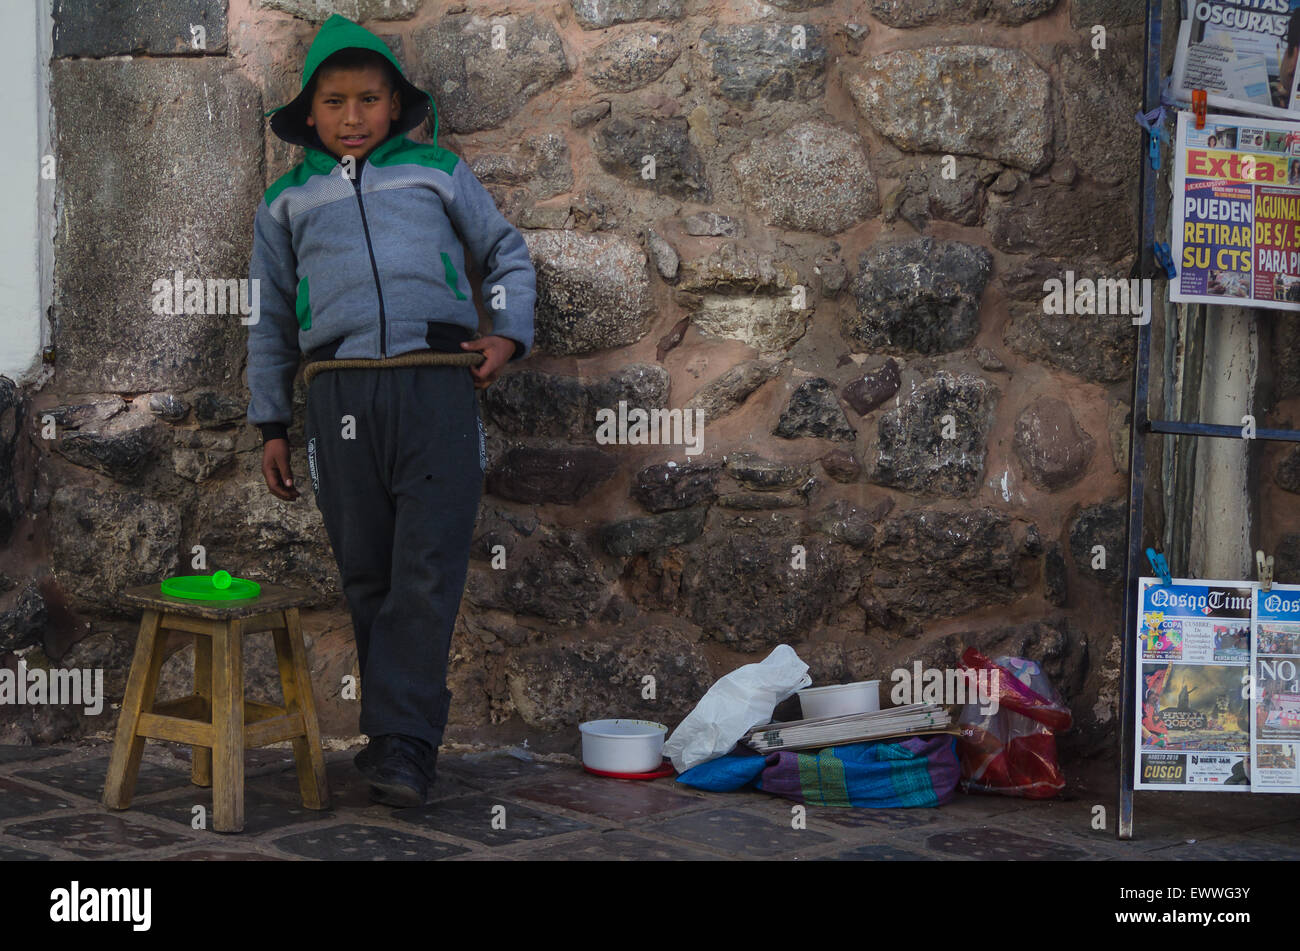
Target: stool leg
point(201, 756)
point(228, 727)
point(295, 681)
point(141, 685)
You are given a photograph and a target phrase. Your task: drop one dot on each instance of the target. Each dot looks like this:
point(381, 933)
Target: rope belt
point(422, 359)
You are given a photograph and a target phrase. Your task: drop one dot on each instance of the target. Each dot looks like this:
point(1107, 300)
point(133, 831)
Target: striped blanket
point(918, 771)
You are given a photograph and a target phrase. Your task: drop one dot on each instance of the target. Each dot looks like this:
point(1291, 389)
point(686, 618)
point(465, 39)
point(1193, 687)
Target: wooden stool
point(216, 719)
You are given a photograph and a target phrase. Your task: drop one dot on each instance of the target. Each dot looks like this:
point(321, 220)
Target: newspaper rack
point(1142, 427)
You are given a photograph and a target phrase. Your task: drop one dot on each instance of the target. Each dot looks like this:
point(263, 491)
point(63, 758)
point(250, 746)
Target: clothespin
point(1198, 107)
point(1159, 566)
point(1164, 258)
point(1153, 122)
point(1265, 566)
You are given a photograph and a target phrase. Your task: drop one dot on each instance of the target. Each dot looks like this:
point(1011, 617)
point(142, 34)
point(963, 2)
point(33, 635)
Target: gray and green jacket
point(374, 265)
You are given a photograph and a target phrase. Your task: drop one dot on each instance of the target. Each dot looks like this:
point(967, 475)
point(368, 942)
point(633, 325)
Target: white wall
point(26, 200)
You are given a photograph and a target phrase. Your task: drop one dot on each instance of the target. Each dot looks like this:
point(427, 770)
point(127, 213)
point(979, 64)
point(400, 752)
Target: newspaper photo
point(1242, 53)
point(1275, 689)
point(1236, 212)
point(1194, 712)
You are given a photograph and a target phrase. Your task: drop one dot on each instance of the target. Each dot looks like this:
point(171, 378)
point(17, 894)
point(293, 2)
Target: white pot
point(623, 746)
point(840, 700)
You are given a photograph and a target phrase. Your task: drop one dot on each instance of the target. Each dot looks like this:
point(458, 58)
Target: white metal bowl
point(840, 700)
point(622, 746)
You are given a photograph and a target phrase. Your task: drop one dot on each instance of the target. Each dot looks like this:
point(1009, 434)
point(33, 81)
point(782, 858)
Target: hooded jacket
point(372, 264)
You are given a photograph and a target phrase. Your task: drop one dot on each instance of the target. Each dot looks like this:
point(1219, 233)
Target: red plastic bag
point(1013, 752)
point(1023, 688)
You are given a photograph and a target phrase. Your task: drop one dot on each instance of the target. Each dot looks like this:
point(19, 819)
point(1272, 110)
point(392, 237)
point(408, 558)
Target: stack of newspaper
point(854, 728)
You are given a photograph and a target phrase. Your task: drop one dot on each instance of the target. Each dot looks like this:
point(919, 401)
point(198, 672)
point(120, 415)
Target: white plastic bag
point(739, 701)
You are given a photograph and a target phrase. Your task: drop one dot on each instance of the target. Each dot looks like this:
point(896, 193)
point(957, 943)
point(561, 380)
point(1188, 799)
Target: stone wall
point(840, 258)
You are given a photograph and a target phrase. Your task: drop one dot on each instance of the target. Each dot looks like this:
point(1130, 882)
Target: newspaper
point(1193, 666)
point(1275, 690)
point(1240, 52)
point(1236, 211)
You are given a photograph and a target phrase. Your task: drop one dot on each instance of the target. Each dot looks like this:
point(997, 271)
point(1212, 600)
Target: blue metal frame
point(1139, 428)
point(1224, 432)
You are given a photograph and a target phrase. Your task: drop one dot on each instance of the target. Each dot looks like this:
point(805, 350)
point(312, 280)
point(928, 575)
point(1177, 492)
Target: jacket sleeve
point(273, 352)
point(501, 256)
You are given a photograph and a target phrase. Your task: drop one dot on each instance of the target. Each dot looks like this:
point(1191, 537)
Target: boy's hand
point(497, 350)
point(275, 469)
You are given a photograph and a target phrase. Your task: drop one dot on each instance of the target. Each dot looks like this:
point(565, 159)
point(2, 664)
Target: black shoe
point(369, 755)
point(400, 771)
point(372, 754)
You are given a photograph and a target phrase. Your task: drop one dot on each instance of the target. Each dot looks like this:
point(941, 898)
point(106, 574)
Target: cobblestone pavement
point(50, 809)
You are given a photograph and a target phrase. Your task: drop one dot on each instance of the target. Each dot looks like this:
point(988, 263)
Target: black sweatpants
point(396, 459)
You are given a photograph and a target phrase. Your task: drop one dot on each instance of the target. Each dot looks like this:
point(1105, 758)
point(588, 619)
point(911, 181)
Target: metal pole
point(1137, 443)
point(1221, 431)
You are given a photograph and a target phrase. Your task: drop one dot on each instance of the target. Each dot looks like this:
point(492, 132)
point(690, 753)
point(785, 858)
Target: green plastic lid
point(217, 587)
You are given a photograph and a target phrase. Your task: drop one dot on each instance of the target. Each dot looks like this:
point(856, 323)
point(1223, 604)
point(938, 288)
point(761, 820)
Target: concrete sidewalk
point(50, 809)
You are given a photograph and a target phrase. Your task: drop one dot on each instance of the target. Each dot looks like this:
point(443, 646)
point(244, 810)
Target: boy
point(359, 255)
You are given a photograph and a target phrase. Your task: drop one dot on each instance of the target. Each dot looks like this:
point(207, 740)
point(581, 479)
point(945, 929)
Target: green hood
point(289, 121)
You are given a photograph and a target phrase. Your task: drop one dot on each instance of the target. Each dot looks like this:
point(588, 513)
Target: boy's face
point(352, 110)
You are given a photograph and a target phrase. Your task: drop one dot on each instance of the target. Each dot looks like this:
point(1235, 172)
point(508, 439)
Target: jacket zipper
point(383, 322)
